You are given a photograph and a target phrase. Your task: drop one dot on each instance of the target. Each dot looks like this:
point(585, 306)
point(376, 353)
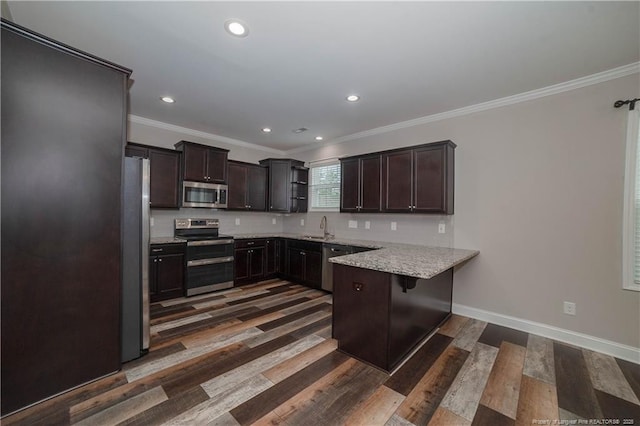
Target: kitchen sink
point(315, 237)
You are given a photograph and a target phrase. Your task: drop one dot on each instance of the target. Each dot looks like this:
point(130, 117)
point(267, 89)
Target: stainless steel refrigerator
point(135, 259)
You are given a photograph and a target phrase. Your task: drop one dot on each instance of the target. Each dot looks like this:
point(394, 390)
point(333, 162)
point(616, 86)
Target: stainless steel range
point(209, 255)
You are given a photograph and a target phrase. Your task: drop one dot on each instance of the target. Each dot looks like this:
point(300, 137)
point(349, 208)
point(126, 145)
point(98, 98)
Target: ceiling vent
point(300, 130)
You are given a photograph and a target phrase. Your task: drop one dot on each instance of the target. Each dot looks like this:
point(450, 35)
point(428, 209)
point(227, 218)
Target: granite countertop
point(410, 260)
point(403, 259)
point(166, 240)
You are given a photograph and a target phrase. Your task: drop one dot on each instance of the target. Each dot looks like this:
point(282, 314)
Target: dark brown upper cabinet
point(360, 184)
point(288, 185)
point(203, 163)
point(165, 174)
point(419, 179)
point(247, 186)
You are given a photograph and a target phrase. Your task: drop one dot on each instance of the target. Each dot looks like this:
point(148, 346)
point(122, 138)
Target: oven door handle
point(213, 261)
point(208, 242)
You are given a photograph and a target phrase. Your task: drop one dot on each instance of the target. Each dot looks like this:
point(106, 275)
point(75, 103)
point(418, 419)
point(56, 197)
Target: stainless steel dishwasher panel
point(329, 251)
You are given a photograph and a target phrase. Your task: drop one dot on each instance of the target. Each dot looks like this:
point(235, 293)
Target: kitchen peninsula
point(387, 301)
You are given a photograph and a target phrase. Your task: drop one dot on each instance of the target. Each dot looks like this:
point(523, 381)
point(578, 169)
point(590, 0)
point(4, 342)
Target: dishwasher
point(333, 250)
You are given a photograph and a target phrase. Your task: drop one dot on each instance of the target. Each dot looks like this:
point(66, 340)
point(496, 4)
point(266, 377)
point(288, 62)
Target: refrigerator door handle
point(146, 183)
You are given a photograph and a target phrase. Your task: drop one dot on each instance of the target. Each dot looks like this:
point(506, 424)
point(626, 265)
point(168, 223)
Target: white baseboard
point(618, 350)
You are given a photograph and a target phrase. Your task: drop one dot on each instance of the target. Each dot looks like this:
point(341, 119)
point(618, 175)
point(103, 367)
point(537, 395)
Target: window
point(631, 222)
point(325, 187)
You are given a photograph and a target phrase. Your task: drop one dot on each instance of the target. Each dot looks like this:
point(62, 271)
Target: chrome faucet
point(323, 226)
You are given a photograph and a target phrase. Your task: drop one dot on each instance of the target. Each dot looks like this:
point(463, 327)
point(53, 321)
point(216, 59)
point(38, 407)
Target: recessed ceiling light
point(353, 98)
point(168, 99)
point(319, 138)
point(266, 130)
point(236, 28)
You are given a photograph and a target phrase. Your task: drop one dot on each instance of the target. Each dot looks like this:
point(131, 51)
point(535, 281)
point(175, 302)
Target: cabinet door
point(279, 172)
point(429, 183)
point(370, 184)
point(216, 166)
point(271, 258)
point(153, 278)
point(165, 176)
point(136, 151)
point(313, 269)
point(256, 188)
point(350, 185)
point(241, 264)
point(256, 263)
point(195, 163)
point(397, 181)
point(170, 277)
point(296, 264)
point(237, 186)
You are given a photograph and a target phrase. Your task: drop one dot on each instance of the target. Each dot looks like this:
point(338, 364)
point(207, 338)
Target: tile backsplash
point(249, 222)
point(410, 228)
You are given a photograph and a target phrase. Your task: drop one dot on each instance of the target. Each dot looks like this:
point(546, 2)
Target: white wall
point(538, 191)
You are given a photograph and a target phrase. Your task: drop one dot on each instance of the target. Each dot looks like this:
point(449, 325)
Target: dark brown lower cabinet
point(304, 262)
point(249, 261)
point(166, 272)
point(272, 257)
point(379, 317)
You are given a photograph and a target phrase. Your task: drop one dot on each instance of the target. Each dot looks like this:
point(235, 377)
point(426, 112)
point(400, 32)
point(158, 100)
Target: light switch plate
point(441, 228)
point(237, 221)
point(353, 224)
point(301, 222)
point(151, 222)
point(394, 226)
point(367, 224)
point(273, 221)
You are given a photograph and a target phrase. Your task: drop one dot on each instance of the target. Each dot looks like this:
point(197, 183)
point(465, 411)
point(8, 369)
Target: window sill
point(631, 287)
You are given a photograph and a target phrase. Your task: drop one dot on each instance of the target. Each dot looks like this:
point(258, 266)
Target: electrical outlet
point(273, 221)
point(394, 226)
point(353, 224)
point(569, 308)
point(301, 222)
point(237, 221)
point(441, 228)
point(367, 224)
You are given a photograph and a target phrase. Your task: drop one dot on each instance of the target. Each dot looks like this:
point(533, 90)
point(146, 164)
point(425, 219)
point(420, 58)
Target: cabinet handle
point(159, 260)
point(358, 286)
point(302, 253)
point(155, 260)
point(157, 250)
point(250, 243)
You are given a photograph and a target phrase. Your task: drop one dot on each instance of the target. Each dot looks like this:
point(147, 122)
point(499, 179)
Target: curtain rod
point(631, 102)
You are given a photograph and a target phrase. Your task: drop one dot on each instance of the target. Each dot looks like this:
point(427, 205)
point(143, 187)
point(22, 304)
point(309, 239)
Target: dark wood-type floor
point(263, 354)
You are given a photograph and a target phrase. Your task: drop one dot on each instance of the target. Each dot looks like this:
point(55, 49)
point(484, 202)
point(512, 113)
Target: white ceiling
point(405, 59)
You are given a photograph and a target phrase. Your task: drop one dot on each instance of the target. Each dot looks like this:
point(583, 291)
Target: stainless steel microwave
point(207, 195)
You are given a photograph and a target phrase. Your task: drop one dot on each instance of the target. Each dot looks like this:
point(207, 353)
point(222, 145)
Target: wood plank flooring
point(263, 354)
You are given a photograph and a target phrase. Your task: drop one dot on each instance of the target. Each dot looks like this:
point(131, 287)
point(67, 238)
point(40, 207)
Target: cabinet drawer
point(250, 243)
point(160, 249)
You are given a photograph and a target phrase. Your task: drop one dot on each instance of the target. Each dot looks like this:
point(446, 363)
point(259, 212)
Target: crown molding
point(191, 132)
point(555, 89)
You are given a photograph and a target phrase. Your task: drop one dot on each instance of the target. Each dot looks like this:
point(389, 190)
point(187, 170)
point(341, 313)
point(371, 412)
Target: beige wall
point(539, 189)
